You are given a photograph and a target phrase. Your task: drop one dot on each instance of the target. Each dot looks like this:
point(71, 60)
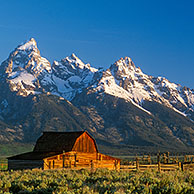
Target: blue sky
point(157, 35)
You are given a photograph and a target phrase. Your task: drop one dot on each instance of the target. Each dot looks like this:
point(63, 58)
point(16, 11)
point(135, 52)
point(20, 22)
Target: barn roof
point(32, 156)
point(57, 141)
point(50, 144)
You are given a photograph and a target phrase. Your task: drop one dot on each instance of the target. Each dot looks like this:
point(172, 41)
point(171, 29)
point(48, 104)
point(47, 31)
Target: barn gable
point(65, 142)
point(85, 143)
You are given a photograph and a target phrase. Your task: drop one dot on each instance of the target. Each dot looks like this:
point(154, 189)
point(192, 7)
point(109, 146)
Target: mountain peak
point(73, 56)
point(123, 66)
point(127, 62)
point(25, 69)
point(28, 45)
point(74, 59)
point(77, 63)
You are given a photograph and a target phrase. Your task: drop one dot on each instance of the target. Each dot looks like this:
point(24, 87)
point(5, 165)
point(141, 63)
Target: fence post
point(173, 160)
point(75, 160)
point(164, 158)
point(63, 161)
point(189, 158)
point(177, 159)
point(115, 164)
point(149, 159)
point(158, 157)
point(168, 157)
point(185, 158)
point(53, 164)
point(182, 166)
point(92, 166)
point(159, 167)
point(137, 163)
point(179, 165)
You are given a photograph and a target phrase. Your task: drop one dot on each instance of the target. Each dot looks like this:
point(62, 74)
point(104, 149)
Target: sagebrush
point(100, 181)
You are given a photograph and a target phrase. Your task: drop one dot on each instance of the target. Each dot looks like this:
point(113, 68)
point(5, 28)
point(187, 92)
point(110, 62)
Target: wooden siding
point(78, 160)
point(85, 144)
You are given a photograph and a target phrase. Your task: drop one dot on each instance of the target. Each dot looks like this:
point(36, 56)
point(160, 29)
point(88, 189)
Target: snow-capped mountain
point(27, 72)
point(124, 80)
point(24, 68)
point(119, 106)
point(71, 75)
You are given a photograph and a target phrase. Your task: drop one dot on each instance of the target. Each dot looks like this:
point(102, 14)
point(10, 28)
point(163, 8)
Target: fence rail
point(160, 162)
point(159, 166)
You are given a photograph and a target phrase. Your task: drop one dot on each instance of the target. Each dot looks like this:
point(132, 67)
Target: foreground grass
point(101, 181)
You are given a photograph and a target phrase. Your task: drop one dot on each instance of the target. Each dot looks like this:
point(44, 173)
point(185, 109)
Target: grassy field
point(101, 181)
point(14, 149)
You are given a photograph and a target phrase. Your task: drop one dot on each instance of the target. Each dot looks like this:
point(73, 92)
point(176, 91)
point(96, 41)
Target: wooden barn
point(55, 150)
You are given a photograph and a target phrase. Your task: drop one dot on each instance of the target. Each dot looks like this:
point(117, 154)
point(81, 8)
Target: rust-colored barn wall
point(77, 160)
point(85, 144)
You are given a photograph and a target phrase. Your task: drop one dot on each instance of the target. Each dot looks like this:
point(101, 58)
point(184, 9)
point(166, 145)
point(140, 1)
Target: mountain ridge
point(69, 76)
point(99, 96)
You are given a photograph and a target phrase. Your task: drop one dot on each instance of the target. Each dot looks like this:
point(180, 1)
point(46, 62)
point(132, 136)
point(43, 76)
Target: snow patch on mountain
point(182, 113)
point(71, 75)
point(172, 89)
point(24, 83)
point(29, 45)
point(78, 64)
point(140, 107)
point(22, 77)
point(108, 85)
point(188, 95)
point(133, 80)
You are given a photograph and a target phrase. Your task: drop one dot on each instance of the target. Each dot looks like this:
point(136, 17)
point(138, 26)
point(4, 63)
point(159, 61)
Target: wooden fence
point(160, 167)
point(160, 162)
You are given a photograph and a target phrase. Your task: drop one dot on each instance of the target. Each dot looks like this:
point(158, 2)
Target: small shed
point(55, 150)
